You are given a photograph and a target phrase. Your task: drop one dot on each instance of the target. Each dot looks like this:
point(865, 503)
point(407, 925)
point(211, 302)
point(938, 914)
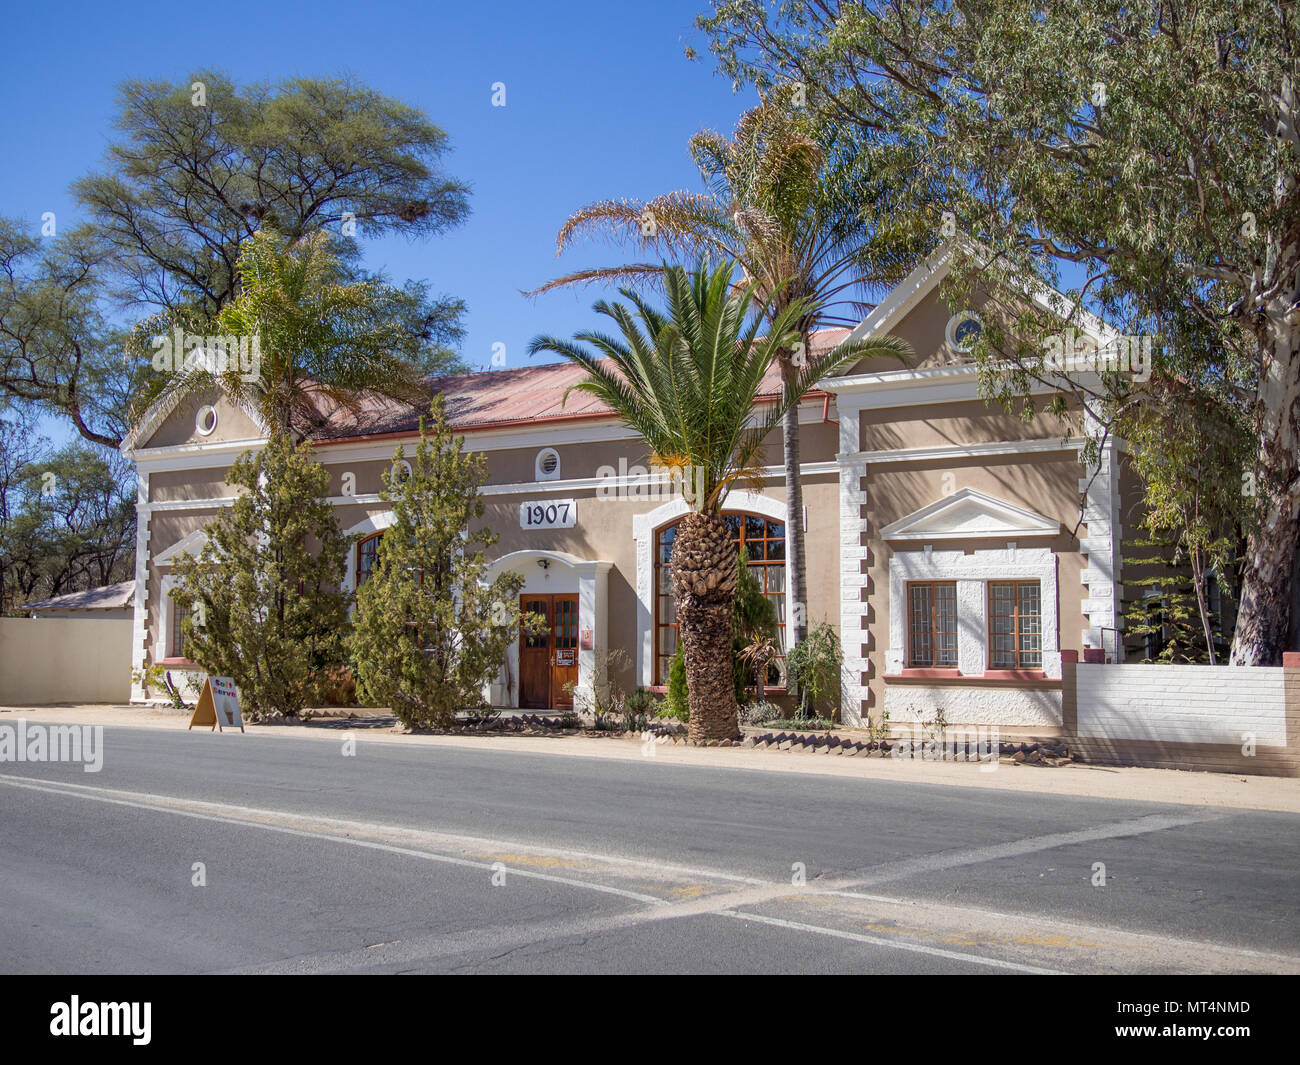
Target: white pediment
point(967, 515)
point(190, 545)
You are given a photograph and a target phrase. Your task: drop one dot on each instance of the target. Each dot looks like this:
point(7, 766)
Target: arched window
point(367, 553)
point(764, 541)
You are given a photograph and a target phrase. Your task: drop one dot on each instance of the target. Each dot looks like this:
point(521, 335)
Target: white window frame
point(972, 574)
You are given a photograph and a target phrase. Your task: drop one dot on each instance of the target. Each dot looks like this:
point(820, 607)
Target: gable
point(968, 514)
point(914, 311)
point(172, 421)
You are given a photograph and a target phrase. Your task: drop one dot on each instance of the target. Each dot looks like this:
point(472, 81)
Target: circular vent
point(548, 464)
point(205, 420)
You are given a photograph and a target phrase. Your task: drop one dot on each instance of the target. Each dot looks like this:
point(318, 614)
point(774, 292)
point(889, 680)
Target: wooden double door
point(549, 661)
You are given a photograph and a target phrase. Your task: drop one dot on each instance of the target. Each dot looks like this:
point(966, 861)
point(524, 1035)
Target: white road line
point(935, 863)
point(341, 824)
point(657, 912)
point(660, 909)
point(447, 859)
point(875, 941)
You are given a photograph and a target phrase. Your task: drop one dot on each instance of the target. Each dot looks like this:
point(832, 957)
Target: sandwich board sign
point(218, 705)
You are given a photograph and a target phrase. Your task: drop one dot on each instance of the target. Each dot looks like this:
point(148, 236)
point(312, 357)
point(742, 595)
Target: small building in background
point(111, 602)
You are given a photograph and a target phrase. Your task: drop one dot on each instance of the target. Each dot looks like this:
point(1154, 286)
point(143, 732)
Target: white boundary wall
point(1182, 704)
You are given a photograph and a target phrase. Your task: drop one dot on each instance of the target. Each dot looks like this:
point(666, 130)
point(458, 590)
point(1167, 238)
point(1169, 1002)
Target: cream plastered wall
point(179, 426)
point(941, 424)
point(603, 532)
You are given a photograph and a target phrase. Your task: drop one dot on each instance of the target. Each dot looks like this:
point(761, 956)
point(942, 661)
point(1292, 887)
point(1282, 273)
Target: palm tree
point(686, 379)
point(325, 340)
point(790, 207)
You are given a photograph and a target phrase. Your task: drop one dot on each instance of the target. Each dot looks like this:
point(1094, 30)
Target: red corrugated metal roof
point(494, 399)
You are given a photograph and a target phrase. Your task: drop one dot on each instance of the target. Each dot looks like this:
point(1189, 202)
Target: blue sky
point(600, 102)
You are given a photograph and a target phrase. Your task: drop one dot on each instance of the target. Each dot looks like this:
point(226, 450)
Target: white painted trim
point(166, 608)
point(644, 528)
point(1102, 547)
point(215, 455)
point(951, 452)
point(972, 574)
point(540, 474)
point(198, 420)
point(576, 484)
point(903, 297)
point(911, 388)
point(190, 544)
point(854, 639)
point(999, 519)
point(589, 578)
point(930, 274)
point(163, 407)
point(203, 455)
point(140, 613)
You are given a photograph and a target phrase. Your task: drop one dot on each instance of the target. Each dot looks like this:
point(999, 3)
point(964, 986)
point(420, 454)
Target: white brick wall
point(1189, 704)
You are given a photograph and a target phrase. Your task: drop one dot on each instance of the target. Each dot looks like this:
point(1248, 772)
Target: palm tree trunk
point(704, 585)
point(796, 563)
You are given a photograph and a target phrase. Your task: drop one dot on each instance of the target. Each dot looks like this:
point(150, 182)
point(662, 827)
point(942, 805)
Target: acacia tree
point(1155, 144)
point(810, 219)
point(686, 379)
point(262, 601)
point(430, 631)
point(196, 170)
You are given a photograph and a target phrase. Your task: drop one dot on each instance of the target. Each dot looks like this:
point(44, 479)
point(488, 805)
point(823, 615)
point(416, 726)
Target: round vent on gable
point(205, 420)
point(548, 464)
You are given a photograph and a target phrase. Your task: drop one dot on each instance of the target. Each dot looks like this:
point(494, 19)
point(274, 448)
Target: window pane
point(367, 553)
point(667, 641)
point(945, 624)
point(1015, 625)
point(919, 616)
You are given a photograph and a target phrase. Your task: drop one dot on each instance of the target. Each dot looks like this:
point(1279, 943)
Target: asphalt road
point(435, 859)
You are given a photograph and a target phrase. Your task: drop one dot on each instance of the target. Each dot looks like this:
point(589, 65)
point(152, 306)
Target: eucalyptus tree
point(1153, 144)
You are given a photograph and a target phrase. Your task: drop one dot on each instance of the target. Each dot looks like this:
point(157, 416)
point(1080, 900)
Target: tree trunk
point(797, 564)
point(1264, 617)
point(704, 585)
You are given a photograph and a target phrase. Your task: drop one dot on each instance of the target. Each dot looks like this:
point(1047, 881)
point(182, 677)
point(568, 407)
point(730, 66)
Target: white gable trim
point(644, 527)
point(161, 409)
point(991, 517)
point(189, 545)
point(930, 274)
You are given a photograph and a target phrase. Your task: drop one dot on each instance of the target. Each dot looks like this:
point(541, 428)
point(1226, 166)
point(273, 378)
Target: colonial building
point(944, 541)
